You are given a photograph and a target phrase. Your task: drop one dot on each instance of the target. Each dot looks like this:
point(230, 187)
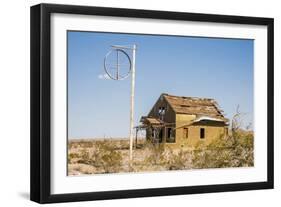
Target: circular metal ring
point(118, 77)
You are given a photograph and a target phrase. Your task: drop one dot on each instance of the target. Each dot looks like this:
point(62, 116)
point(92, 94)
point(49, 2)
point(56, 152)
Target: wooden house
point(180, 121)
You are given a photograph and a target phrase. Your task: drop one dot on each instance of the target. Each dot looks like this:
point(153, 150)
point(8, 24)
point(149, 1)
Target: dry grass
point(112, 155)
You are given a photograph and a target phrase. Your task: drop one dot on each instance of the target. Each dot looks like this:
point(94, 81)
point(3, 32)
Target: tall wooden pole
point(132, 104)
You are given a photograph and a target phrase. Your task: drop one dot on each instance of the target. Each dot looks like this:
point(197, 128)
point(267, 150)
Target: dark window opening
point(161, 112)
point(153, 133)
point(170, 135)
point(185, 132)
point(157, 135)
point(160, 136)
point(202, 133)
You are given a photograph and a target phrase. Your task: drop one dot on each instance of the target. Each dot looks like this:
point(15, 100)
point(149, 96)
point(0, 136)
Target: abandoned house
point(184, 121)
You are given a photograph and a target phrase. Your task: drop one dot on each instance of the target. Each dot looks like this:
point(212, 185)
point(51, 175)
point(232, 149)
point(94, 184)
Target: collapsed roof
point(193, 105)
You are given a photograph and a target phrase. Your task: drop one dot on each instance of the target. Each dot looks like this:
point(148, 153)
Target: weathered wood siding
point(170, 116)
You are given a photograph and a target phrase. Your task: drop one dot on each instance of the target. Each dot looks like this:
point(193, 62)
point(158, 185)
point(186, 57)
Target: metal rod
point(124, 47)
point(117, 72)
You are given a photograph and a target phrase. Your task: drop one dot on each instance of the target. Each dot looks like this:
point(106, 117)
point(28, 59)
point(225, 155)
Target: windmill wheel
point(117, 64)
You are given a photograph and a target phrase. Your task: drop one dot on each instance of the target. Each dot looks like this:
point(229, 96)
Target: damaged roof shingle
point(193, 105)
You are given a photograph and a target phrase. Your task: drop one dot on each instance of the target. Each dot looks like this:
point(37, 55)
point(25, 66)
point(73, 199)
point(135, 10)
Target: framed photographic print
point(133, 103)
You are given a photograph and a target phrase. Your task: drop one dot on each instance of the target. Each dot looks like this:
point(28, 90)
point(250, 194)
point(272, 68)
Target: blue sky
point(186, 66)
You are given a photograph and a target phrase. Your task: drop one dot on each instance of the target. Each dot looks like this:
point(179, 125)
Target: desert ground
point(111, 155)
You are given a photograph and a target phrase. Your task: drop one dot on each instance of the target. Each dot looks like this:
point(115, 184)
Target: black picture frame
point(41, 99)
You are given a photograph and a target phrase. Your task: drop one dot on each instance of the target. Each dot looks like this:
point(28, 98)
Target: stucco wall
point(212, 131)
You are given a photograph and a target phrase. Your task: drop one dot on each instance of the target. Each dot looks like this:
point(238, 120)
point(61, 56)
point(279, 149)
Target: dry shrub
point(180, 161)
point(103, 156)
point(164, 158)
point(235, 150)
point(72, 157)
point(77, 169)
point(155, 154)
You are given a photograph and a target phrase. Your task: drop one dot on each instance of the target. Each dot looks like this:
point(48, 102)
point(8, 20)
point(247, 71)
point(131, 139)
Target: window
point(161, 112)
point(202, 133)
point(160, 136)
point(185, 132)
point(153, 133)
point(170, 135)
